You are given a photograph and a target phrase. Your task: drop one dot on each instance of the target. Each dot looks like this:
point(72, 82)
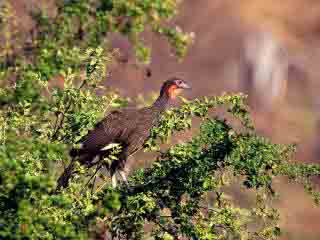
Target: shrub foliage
point(186, 191)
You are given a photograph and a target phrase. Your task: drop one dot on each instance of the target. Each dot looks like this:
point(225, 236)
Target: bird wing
point(105, 132)
point(130, 127)
point(146, 119)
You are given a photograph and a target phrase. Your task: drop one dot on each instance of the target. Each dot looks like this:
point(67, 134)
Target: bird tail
point(63, 180)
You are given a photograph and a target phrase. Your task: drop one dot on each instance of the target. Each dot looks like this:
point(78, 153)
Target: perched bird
point(128, 128)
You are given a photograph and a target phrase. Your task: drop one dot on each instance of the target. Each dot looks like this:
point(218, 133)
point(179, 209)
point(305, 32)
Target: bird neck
point(162, 102)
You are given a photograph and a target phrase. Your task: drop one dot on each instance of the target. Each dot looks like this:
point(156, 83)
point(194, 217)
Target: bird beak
point(184, 86)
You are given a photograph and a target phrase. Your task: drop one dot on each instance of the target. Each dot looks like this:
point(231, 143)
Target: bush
point(183, 194)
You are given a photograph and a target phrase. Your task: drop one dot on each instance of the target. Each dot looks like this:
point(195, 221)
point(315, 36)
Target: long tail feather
point(63, 180)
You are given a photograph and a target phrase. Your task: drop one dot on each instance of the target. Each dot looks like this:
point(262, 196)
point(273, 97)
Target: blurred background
point(267, 49)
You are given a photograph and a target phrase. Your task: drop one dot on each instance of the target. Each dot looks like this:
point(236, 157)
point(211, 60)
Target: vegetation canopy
point(185, 194)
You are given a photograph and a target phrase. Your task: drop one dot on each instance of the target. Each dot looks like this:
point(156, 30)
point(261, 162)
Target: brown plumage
point(129, 127)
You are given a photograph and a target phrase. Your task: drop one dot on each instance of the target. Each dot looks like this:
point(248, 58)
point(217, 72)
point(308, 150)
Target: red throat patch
point(173, 91)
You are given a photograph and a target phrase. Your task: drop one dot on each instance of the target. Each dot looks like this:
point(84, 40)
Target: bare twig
point(55, 134)
point(93, 176)
point(93, 184)
point(57, 126)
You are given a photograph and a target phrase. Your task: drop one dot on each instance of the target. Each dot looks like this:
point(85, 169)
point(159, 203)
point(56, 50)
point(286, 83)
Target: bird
point(128, 128)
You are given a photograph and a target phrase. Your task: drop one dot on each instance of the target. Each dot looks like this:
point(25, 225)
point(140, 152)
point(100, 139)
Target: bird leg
point(123, 176)
point(118, 166)
point(114, 180)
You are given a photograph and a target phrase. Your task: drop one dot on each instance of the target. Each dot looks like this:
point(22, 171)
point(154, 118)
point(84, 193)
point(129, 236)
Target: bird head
point(173, 87)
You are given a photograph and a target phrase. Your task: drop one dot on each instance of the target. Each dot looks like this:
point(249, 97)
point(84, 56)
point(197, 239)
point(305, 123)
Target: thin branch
point(94, 175)
point(58, 127)
point(82, 84)
point(55, 134)
point(100, 187)
point(55, 124)
point(93, 184)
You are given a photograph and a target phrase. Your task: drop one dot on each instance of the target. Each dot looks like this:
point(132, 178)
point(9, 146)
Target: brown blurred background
point(268, 49)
